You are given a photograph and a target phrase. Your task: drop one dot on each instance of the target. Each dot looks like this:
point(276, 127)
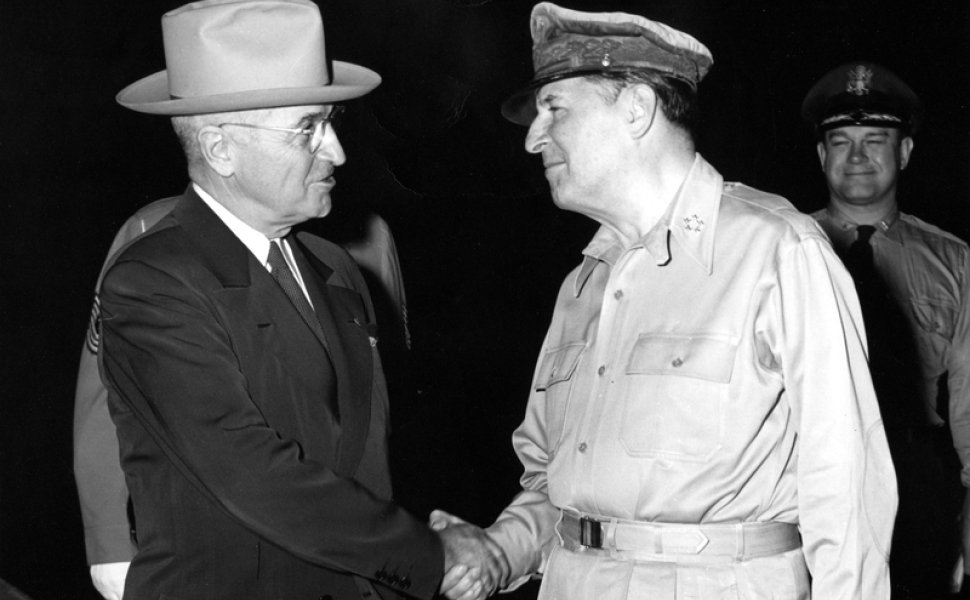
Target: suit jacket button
point(405, 582)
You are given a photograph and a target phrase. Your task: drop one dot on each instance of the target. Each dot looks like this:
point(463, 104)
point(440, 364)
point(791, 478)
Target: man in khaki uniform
point(702, 423)
point(914, 283)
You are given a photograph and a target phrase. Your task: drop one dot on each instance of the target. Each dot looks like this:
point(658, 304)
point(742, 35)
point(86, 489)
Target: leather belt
point(649, 540)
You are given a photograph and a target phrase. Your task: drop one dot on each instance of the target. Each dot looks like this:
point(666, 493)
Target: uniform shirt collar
point(843, 223)
point(690, 221)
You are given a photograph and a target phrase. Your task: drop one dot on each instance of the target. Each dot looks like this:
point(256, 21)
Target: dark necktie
point(284, 276)
point(892, 351)
point(860, 262)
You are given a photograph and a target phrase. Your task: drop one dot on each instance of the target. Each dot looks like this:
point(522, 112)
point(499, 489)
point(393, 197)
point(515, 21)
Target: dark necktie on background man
point(892, 350)
point(859, 260)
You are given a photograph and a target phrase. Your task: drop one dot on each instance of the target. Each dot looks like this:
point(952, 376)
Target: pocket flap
point(558, 364)
point(706, 356)
point(935, 316)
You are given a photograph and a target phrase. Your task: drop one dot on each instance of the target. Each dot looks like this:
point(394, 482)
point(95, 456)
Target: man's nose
point(857, 153)
point(537, 137)
point(330, 148)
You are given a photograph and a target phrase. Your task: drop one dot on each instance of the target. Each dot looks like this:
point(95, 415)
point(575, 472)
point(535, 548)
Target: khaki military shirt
point(713, 372)
point(928, 272)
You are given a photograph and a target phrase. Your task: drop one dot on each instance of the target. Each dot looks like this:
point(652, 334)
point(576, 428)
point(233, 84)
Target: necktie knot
point(284, 277)
point(863, 233)
point(859, 258)
point(276, 260)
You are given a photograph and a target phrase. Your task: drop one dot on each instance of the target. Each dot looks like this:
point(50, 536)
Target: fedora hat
point(228, 55)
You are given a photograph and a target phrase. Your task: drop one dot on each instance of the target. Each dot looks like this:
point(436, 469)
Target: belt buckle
point(590, 533)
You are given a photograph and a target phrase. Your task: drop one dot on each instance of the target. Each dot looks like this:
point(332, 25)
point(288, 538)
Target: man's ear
point(216, 149)
point(643, 104)
point(820, 148)
point(905, 149)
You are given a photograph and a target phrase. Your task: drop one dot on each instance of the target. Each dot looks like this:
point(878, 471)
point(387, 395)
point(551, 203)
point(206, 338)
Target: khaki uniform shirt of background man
point(240, 359)
point(913, 281)
point(702, 423)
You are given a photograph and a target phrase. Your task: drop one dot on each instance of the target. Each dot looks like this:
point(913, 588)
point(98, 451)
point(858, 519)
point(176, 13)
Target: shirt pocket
point(555, 379)
point(674, 407)
point(935, 316)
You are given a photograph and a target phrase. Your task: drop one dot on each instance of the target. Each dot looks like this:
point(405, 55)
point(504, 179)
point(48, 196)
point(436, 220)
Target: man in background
point(912, 280)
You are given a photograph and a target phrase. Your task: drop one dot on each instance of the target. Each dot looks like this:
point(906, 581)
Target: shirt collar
point(257, 243)
point(844, 223)
point(690, 220)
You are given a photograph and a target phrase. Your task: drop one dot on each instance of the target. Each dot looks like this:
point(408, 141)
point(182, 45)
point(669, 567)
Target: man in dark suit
point(240, 356)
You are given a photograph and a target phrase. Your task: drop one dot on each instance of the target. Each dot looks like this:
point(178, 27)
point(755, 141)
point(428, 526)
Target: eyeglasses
point(314, 133)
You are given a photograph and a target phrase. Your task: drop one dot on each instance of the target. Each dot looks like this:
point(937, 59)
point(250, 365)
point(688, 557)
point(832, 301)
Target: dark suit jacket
point(244, 484)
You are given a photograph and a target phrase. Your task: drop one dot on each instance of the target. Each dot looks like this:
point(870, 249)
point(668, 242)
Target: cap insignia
point(584, 52)
point(693, 223)
point(859, 80)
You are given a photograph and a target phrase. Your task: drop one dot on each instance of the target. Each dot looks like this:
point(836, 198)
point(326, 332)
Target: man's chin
point(859, 197)
point(318, 207)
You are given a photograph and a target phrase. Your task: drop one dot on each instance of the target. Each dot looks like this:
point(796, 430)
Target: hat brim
point(151, 94)
point(520, 107)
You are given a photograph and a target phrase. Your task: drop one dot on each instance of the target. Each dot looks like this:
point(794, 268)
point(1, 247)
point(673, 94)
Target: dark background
point(483, 249)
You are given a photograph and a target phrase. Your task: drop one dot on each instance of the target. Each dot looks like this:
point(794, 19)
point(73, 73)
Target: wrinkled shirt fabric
point(714, 372)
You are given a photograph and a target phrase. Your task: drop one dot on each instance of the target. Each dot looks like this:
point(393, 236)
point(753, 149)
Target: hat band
point(573, 53)
point(860, 117)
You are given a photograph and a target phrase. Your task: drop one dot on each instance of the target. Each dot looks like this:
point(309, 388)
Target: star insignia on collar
point(694, 223)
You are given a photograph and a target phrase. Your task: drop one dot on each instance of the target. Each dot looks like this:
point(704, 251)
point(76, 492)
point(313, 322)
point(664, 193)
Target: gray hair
point(678, 99)
point(187, 129)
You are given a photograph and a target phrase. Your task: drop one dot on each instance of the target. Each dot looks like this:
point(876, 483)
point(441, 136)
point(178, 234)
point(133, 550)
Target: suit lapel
point(249, 289)
point(342, 317)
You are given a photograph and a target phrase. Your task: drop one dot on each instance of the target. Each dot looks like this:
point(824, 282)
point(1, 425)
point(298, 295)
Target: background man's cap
point(570, 43)
point(862, 93)
point(228, 55)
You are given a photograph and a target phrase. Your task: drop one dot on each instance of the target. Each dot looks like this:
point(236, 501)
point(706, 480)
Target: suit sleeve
point(170, 359)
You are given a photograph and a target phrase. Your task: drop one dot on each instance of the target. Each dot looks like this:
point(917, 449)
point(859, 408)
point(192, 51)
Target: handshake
point(475, 566)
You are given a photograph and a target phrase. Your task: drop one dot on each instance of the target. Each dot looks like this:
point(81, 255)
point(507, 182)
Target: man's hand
point(475, 566)
point(109, 579)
